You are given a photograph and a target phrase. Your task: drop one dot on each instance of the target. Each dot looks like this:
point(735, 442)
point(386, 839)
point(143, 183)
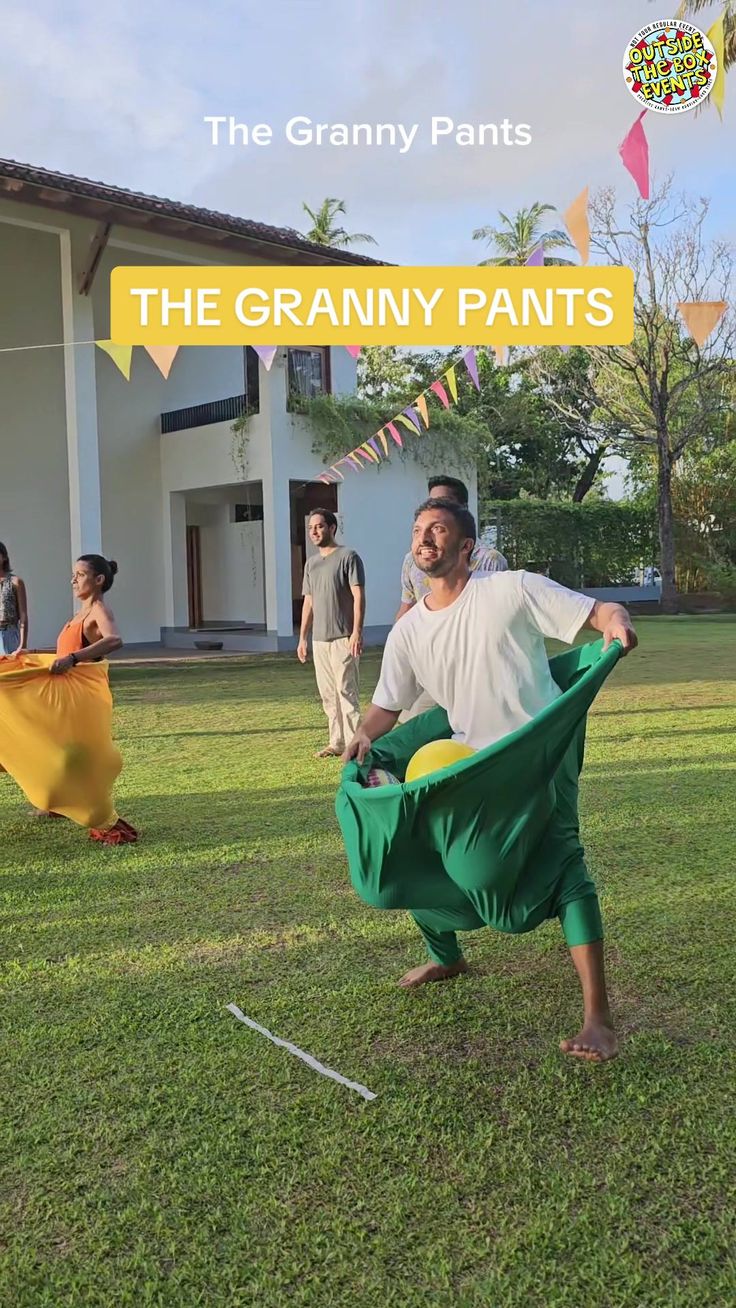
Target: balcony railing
point(200, 415)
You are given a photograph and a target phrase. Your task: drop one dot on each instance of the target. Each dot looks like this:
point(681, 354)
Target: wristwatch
point(74, 660)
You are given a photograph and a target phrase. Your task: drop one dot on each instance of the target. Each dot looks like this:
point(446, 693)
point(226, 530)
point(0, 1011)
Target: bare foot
point(431, 972)
point(596, 1043)
point(328, 752)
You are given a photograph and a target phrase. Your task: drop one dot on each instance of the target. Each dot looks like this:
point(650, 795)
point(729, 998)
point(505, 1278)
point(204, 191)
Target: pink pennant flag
point(441, 393)
point(634, 151)
point(471, 364)
point(266, 354)
point(369, 458)
point(353, 350)
point(421, 404)
point(163, 356)
point(413, 416)
point(536, 258)
point(395, 434)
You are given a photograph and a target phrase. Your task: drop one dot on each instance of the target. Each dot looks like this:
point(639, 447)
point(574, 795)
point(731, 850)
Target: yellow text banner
point(378, 306)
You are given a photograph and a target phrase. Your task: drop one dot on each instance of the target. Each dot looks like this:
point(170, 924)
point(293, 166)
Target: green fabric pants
point(492, 840)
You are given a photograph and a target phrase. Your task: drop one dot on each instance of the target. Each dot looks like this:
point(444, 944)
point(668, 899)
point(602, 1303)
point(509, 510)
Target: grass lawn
point(154, 1151)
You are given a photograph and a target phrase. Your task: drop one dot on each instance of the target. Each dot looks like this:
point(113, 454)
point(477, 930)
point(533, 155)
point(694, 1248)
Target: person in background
point(13, 608)
point(90, 635)
point(415, 583)
point(334, 611)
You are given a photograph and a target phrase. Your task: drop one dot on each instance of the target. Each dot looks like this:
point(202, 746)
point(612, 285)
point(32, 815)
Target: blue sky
point(120, 95)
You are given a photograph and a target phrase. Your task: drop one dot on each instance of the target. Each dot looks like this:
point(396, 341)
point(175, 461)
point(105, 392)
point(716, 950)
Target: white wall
point(232, 572)
point(34, 485)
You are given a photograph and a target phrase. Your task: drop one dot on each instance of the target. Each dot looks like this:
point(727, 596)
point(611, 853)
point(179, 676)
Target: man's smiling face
point(437, 542)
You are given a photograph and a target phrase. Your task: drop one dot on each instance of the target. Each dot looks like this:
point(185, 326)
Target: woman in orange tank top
point(93, 634)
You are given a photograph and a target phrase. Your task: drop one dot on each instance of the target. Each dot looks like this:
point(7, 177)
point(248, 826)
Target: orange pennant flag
point(452, 382)
point(121, 355)
point(382, 438)
point(163, 356)
point(702, 317)
point(501, 353)
point(575, 219)
point(421, 404)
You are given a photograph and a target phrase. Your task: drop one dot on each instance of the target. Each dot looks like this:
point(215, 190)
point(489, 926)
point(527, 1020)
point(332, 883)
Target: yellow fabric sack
point(56, 737)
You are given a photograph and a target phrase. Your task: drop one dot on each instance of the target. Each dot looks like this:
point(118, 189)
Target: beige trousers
point(420, 705)
point(337, 683)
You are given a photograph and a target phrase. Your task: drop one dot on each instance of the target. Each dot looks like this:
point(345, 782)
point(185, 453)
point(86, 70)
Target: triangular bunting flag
point(354, 460)
point(452, 382)
point(368, 453)
point(337, 472)
point(266, 354)
point(121, 355)
point(536, 258)
point(353, 350)
point(471, 364)
point(374, 446)
point(324, 478)
point(395, 434)
point(575, 219)
point(163, 356)
point(501, 353)
point(715, 36)
point(440, 392)
point(634, 151)
point(421, 404)
point(382, 438)
point(412, 413)
point(406, 423)
point(702, 317)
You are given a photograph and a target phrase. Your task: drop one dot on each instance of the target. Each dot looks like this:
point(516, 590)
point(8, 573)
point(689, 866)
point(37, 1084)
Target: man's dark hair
point(462, 515)
point(458, 488)
point(327, 514)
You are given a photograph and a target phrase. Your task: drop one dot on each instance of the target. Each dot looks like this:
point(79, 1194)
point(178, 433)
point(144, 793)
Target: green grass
point(153, 1151)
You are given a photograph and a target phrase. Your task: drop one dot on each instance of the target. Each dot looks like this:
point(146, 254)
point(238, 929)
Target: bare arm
point(306, 627)
point(20, 590)
point(356, 637)
point(614, 623)
point(108, 639)
point(377, 722)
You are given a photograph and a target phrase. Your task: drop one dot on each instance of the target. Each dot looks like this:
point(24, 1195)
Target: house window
point(252, 395)
point(309, 372)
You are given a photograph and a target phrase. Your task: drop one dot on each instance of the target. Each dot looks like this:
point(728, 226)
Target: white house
point(208, 536)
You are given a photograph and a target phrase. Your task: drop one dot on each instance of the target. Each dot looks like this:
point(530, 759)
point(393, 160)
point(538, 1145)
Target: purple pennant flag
point(536, 258)
point(374, 446)
point(565, 349)
point(472, 366)
point(413, 416)
point(266, 354)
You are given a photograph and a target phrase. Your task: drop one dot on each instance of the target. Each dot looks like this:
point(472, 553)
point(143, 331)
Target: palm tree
point(520, 236)
point(691, 8)
point(324, 231)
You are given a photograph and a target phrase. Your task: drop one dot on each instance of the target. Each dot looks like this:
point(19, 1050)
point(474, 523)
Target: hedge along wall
point(596, 543)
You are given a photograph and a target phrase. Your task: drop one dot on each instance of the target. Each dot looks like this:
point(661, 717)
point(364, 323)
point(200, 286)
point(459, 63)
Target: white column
point(276, 505)
point(176, 595)
point(85, 510)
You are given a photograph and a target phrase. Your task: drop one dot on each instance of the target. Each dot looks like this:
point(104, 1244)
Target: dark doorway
point(304, 497)
point(194, 577)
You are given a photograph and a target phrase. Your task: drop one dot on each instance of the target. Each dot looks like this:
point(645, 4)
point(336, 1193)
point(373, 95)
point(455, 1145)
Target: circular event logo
point(670, 66)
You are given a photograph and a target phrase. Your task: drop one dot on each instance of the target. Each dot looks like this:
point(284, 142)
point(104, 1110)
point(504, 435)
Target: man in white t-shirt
point(478, 649)
point(415, 582)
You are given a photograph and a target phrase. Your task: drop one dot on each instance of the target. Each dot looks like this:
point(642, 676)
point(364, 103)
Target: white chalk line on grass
point(306, 1058)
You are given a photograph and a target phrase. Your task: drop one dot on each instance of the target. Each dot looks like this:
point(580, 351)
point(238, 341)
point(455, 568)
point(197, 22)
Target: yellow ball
point(436, 755)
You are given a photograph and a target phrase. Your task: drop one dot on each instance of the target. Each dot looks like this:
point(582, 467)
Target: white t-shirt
point(483, 657)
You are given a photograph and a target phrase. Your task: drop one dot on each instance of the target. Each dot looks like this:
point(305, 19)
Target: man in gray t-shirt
point(334, 609)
